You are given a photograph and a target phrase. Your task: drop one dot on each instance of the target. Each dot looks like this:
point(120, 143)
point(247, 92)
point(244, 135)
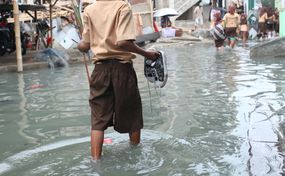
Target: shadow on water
point(219, 114)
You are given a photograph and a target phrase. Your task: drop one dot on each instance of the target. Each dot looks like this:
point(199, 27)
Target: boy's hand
point(83, 46)
point(153, 55)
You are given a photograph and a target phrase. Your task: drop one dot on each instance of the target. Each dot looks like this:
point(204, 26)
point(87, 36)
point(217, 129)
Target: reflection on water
point(23, 123)
point(219, 114)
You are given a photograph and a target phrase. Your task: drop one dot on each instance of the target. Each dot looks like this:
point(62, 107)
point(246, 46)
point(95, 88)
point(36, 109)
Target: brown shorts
point(114, 97)
point(231, 32)
point(219, 43)
point(262, 27)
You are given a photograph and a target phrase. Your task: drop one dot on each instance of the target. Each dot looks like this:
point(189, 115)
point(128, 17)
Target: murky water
point(219, 114)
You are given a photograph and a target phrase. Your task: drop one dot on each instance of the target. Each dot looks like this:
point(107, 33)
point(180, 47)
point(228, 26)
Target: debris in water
point(108, 141)
point(54, 57)
point(36, 86)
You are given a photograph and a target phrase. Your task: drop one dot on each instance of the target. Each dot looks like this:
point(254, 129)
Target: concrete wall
point(162, 4)
point(274, 48)
point(188, 15)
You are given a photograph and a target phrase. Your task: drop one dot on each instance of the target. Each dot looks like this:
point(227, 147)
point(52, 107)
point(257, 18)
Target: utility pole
point(17, 36)
point(51, 5)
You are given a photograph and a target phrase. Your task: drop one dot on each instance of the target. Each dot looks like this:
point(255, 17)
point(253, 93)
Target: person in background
point(270, 23)
point(231, 25)
point(261, 22)
point(243, 28)
point(165, 22)
point(239, 6)
point(167, 25)
point(276, 22)
point(109, 32)
point(214, 9)
point(217, 31)
point(198, 15)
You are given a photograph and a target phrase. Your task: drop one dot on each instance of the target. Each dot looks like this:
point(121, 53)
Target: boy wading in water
point(231, 23)
point(217, 31)
point(243, 28)
point(262, 22)
point(109, 32)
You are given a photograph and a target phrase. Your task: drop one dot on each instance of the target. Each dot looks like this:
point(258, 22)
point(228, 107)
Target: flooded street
point(219, 114)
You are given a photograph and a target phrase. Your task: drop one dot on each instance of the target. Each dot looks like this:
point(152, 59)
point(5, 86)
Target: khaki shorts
point(114, 97)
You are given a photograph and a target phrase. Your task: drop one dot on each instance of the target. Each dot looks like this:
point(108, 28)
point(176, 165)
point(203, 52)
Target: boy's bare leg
point(232, 43)
point(220, 49)
point(97, 138)
point(135, 137)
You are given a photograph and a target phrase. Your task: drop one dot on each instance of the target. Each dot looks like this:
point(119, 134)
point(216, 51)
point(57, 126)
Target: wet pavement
point(8, 62)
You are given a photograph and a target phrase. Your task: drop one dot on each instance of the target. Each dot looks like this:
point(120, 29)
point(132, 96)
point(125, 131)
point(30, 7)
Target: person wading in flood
point(109, 32)
point(217, 31)
point(231, 25)
point(262, 22)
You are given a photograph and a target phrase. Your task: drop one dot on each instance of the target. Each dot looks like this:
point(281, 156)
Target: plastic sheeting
point(54, 57)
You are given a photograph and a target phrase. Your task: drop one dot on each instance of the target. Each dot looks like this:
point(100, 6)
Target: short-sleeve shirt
point(198, 12)
point(106, 22)
point(263, 18)
point(231, 20)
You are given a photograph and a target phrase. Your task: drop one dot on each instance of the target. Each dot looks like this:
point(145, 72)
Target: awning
point(22, 7)
point(165, 12)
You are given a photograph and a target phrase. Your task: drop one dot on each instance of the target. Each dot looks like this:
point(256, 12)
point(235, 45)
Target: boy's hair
point(243, 19)
point(217, 16)
point(232, 9)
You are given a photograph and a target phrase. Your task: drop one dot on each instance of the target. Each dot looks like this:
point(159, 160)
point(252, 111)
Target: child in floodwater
point(243, 28)
point(270, 23)
point(262, 22)
point(217, 31)
point(231, 24)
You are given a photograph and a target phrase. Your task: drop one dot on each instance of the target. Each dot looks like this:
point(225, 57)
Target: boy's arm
point(83, 46)
point(129, 45)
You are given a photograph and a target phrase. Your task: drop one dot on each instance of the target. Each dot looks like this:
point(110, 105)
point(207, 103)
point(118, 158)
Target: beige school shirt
point(106, 22)
point(263, 18)
point(231, 20)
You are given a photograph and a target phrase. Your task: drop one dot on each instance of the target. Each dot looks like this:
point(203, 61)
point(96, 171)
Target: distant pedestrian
point(213, 10)
point(243, 28)
point(231, 24)
point(276, 22)
point(165, 22)
point(261, 22)
point(217, 31)
point(270, 23)
point(239, 6)
point(198, 15)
